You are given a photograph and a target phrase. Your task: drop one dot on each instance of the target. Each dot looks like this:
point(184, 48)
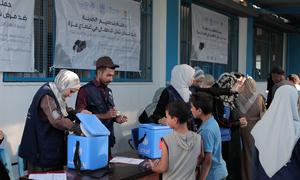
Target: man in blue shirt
point(213, 166)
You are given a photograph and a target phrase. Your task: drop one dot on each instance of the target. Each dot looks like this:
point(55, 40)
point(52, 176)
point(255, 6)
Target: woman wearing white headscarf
point(251, 105)
point(182, 76)
point(43, 142)
point(276, 135)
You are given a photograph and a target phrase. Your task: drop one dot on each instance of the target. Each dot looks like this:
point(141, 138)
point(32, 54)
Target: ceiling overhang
point(230, 7)
point(274, 22)
point(289, 9)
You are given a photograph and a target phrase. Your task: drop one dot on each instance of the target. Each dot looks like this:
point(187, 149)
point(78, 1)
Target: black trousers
point(3, 172)
point(231, 152)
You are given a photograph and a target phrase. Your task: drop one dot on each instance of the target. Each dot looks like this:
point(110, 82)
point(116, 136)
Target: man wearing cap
point(97, 98)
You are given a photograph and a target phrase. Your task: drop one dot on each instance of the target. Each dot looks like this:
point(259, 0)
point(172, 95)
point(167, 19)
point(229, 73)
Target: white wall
point(129, 97)
point(261, 88)
point(242, 45)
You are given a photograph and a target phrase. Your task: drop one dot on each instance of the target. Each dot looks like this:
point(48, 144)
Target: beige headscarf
point(65, 79)
point(278, 131)
point(247, 96)
point(208, 81)
point(182, 77)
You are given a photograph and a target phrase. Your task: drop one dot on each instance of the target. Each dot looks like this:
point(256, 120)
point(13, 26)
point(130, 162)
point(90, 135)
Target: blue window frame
point(44, 33)
point(186, 41)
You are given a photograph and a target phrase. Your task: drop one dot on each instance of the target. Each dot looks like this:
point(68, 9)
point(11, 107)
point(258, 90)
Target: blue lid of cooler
point(91, 125)
point(154, 126)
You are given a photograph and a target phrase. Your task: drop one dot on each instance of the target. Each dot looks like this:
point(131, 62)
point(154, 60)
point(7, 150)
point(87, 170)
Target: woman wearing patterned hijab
point(227, 116)
point(43, 142)
point(251, 105)
point(227, 80)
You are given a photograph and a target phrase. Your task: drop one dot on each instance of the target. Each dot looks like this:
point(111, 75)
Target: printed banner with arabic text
point(89, 29)
point(17, 36)
point(209, 36)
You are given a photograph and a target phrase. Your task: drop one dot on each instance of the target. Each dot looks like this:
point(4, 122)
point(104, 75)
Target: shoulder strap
point(76, 158)
point(77, 164)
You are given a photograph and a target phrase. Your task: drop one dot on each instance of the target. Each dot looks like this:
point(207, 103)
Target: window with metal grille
point(44, 37)
point(268, 51)
point(186, 41)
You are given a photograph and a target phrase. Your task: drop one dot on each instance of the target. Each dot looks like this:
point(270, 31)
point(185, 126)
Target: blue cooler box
point(93, 150)
point(152, 134)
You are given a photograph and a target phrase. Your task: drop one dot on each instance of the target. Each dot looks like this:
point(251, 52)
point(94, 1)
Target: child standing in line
point(213, 166)
point(180, 149)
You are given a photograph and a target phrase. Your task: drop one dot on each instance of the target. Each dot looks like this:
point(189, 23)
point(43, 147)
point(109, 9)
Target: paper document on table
point(48, 176)
point(126, 160)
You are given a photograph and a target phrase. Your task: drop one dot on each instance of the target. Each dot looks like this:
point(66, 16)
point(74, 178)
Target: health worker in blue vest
point(97, 98)
point(43, 143)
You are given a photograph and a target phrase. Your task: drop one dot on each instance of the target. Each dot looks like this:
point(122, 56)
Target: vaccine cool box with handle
point(150, 136)
point(88, 152)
